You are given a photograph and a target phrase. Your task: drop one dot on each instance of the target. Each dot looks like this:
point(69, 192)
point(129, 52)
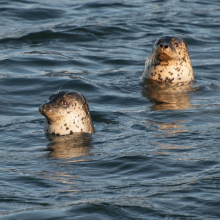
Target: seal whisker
point(59, 90)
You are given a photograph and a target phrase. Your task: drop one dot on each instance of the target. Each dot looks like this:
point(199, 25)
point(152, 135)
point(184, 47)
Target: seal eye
point(176, 44)
point(63, 102)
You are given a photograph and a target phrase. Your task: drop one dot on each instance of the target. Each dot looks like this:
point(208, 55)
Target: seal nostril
point(166, 46)
point(161, 45)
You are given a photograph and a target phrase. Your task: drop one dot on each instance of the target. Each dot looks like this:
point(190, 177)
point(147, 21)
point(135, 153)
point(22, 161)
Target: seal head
point(67, 112)
point(169, 61)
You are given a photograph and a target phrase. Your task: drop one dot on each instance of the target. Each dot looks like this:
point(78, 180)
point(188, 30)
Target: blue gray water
point(145, 161)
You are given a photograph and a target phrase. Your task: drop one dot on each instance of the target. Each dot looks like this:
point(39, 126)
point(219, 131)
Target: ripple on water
point(154, 154)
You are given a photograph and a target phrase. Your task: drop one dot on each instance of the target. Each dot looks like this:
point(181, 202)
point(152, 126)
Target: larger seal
point(67, 112)
point(169, 61)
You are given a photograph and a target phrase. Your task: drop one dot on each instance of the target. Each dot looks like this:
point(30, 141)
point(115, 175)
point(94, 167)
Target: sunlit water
point(146, 160)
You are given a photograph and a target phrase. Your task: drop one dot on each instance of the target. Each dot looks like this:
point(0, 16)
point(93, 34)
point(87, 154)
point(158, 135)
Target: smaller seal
point(169, 61)
point(67, 112)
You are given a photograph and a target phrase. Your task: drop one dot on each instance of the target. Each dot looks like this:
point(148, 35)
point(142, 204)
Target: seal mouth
point(51, 119)
point(163, 57)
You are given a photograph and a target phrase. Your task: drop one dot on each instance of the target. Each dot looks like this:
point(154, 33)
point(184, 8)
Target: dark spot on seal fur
point(159, 77)
point(67, 128)
point(71, 132)
point(171, 80)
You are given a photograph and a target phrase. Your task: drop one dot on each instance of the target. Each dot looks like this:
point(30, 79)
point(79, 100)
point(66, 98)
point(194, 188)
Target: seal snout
point(43, 108)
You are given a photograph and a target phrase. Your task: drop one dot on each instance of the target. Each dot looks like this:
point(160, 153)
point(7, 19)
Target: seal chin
point(163, 57)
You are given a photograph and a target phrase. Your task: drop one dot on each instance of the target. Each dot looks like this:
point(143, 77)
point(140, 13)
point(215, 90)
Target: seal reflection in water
point(165, 97)
point(168, 74)
point(67, 112)
point(69, 146)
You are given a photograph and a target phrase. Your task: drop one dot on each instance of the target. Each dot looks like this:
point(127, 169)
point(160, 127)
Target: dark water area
point(146, 160)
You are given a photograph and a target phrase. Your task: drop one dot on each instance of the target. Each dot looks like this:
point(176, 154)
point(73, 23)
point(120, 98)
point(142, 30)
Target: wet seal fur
point(169, 61)
point(67, 112)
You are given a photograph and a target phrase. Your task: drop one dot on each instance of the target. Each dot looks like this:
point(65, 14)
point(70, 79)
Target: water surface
point(146, 160)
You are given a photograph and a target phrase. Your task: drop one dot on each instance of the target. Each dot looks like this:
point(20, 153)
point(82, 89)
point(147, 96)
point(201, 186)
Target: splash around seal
point(169, 61)
point(67, 112)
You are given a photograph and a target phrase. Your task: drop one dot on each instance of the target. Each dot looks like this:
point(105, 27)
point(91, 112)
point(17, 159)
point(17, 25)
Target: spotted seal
point(67, 112)
point(169, 61)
